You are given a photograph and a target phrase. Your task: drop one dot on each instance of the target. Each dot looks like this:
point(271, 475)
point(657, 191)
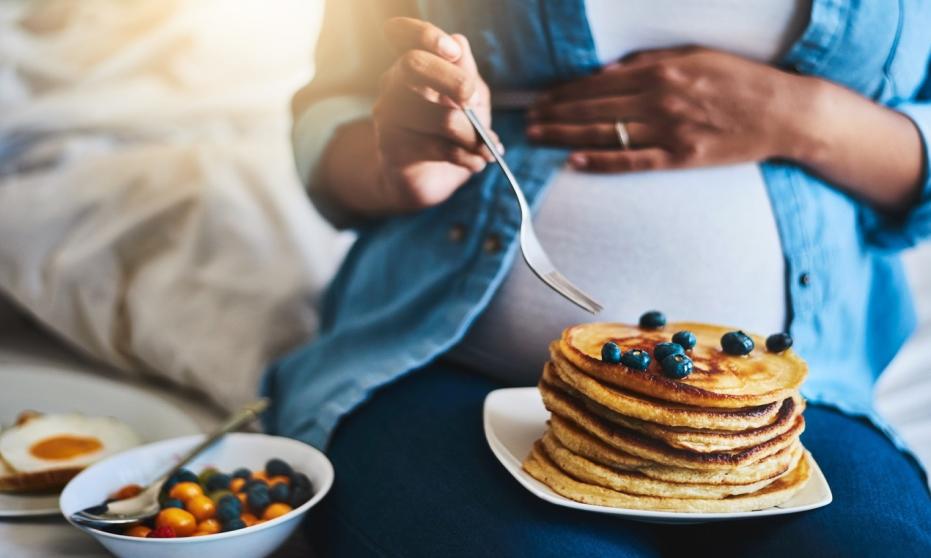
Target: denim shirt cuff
point(825, 28)
point(314, 128)
point(909, 229)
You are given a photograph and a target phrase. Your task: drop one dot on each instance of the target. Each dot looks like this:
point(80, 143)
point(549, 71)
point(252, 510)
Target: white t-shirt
point(701, 245)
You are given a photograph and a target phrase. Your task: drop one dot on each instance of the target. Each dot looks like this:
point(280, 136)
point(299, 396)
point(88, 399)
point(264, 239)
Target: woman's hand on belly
point(684, 107)
point(691, 107)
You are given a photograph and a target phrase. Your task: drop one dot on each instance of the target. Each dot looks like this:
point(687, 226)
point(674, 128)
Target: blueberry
point(301, 490)
point(279, 492)
point(233, 524)
point(186, 475)
point(277, 467)
point(299, 495)
point(684, 338)
point(663, 350)
point(736, 343)
point(610, 352)
point(216, 495)
point(778, 342)
point(242, 473)
point(258, 498)
point(170, 482)
point(636, 359)
point(253, 482)
point(218, 481)
point(229, 507)
point(654, 319)
point(677, 366)
point(300, 479)
point(173, 503)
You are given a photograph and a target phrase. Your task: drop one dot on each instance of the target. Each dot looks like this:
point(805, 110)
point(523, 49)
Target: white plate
point(52, 390)
point(515, 418)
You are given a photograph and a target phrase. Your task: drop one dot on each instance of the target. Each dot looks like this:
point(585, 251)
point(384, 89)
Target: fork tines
point(558, 281)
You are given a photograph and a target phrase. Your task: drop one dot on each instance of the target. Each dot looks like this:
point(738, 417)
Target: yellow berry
point(201, 507)
point(209, 526)
point(138, 531)
point(276, 509)
point(185, 490)
point(182, 522)
point(248, 519)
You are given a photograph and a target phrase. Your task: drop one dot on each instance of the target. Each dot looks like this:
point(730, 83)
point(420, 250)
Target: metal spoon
point(145, 504)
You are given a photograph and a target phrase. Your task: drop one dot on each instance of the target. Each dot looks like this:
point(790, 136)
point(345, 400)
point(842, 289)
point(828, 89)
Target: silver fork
point(530, 247)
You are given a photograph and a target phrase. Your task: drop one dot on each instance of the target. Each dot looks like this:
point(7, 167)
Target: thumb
point(467, 61)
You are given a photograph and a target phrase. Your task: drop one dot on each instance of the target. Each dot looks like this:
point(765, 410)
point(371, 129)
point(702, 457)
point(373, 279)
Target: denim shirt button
point(492, 244)
point(804, 279)
point(457, 232)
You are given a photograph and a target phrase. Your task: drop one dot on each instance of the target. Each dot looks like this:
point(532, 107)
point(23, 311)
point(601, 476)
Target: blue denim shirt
point(408, 290)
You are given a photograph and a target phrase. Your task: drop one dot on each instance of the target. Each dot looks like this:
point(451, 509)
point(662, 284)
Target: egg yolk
point(65, 446)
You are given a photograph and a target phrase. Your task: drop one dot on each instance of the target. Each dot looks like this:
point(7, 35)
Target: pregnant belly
point(701, 245)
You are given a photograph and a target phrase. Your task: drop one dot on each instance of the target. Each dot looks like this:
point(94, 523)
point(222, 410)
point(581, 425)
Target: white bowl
point(141, 465)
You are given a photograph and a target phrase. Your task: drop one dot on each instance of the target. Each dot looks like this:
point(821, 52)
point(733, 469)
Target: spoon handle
point(245, 415)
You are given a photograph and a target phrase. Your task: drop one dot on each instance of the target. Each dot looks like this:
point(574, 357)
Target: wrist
point(804, 135)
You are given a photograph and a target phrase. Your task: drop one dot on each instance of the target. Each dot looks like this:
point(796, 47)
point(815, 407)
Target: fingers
point(420, 69)
point(652, 158)
point(406, 109)
point(627, 107)
point(650, 56)
point(406, 33)
point(403, 147)
point(601, 135)
point(428, 60)
point(619, 80)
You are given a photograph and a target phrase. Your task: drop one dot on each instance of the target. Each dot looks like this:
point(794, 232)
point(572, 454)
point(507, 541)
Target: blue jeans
point(414, 477)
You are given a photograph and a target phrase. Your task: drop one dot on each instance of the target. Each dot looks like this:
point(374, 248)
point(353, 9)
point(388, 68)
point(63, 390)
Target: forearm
point(866, 149)
point(348, 186)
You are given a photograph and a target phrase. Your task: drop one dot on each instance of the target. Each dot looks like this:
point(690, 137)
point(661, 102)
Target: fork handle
point(245, 415)
point(486, 139)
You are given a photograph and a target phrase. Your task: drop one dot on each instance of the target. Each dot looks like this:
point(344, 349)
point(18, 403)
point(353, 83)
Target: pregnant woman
point(755, 163)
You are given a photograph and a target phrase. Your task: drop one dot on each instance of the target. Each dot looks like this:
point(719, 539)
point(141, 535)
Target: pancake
point(639, 445)
point(539, 465)
point(719, 380)
point(633, 482)
point(704, 440)
point(586, 445)
point(655, 411)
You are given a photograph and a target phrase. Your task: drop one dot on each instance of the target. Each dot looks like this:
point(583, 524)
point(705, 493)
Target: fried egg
point(63, 441)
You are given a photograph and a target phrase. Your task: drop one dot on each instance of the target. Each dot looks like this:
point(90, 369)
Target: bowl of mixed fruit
point(242, 497)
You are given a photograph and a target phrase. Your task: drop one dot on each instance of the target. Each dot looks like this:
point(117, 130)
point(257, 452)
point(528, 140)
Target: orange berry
point(260, 475)
point(242, 498)
point(276, 509)
point(237, 484)
point(185, 490)
point(280, 478)
point(182, 522)
point(248, 519)
point(138, 531)
point(127, 491)
point(209, 526)
point(201, 507)
point(199, 533)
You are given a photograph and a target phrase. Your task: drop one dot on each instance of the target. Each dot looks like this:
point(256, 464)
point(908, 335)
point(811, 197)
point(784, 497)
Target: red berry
point(162, 533)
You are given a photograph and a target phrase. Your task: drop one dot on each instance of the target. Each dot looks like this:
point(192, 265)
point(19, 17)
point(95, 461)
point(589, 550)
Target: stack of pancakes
point(723, 439)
